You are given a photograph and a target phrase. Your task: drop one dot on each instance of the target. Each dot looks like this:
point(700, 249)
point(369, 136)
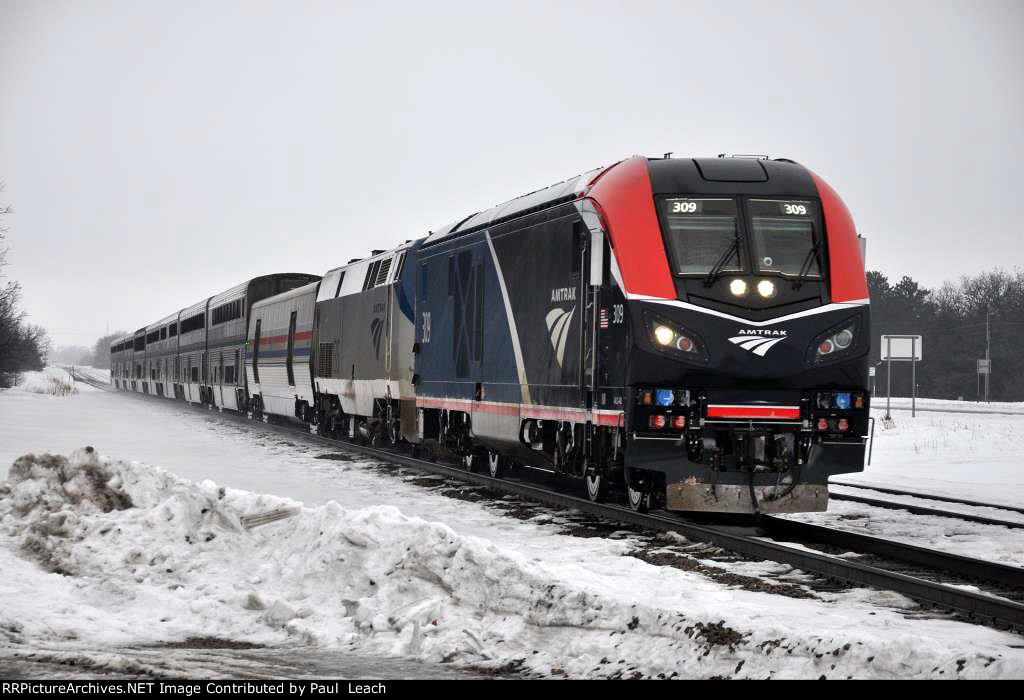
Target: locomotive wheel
point(474, 461)
point(360, 437)
point(379, 436)
point(597, 487)
point(497, 464)
point(638, 491)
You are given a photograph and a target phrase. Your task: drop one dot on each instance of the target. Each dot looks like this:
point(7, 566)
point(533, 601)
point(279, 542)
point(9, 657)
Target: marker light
point(822, 424)
point(858, 401)
point(684, 344)
point(844, 425)
point(657, 422)
point(664, 335)
point(836, 342)
point(738, 288)
point(766, 288)
point(842, 400)
point(648, 398)
point(678, 422)
point(664, 397)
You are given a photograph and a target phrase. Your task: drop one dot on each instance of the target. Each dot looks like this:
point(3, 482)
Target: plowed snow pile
point(102, 553)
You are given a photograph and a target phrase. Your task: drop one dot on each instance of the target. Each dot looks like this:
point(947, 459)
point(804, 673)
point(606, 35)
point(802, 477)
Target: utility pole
point(988, 351)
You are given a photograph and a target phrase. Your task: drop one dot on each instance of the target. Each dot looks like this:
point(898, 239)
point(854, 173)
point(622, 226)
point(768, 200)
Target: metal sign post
point(888, 379)
point(913, 378)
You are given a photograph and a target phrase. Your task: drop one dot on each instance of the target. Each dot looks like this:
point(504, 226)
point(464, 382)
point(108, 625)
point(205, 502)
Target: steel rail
point(999, 611)
point(927, 496)
point(924, 510)
point(901, 551)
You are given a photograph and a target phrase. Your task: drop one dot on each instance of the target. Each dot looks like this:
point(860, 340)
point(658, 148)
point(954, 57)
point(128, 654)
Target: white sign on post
point(901, 348)
point(984, 366)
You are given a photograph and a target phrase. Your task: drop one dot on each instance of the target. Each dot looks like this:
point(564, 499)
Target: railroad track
point(934, 569)
point(928, 496)
point(925, 510)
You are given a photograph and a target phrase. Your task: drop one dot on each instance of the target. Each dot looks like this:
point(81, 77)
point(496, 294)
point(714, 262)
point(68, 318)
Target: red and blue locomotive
point(693, 329)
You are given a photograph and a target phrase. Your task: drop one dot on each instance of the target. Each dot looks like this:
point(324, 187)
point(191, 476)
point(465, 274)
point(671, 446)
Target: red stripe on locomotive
point(753, 411)
point(624, 197)
point(846, 267)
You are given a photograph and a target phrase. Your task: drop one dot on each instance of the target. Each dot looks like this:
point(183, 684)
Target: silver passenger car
point(120, 366)
point(279, 352)
point(161, 353)
point(197, 354)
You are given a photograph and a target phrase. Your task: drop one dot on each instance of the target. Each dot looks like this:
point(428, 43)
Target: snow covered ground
point(964, 455)
point(903, 403)
point(377, 565)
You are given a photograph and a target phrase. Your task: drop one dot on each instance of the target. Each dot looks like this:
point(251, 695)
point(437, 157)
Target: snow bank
point(53, 381)
point(132, 554)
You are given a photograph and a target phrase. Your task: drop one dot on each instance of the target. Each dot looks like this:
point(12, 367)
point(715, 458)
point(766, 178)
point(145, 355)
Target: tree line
point(23, 346)
point(951, 320)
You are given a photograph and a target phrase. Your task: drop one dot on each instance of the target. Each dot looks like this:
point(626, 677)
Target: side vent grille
point(325, 366)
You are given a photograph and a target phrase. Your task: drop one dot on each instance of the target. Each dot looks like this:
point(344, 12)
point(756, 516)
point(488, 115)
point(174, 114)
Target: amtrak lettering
point(766, 333)
point(563, 294)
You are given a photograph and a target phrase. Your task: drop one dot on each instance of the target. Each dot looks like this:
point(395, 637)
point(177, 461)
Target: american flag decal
point(604, 319)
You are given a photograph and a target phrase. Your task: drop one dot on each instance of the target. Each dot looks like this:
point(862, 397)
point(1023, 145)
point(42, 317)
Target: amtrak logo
point(376, 331)
point(558, 321)
point(758, 342)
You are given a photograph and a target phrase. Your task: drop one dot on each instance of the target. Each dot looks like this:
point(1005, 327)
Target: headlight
point(766, 288)
point(666, 336)
point(738, 287)
point(834, 343)
point(843, 338)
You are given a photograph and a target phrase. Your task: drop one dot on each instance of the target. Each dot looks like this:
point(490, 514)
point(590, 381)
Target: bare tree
point(22, 346)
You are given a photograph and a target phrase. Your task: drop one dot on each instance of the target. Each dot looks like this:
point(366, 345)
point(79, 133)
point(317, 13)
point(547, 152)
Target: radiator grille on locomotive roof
point(385, 267)
point(325, 367)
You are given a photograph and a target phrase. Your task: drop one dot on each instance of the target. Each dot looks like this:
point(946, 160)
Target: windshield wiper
point(805, 268)
point(716, 270)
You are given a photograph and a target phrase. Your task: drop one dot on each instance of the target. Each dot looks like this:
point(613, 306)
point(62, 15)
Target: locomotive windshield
point(702, 234)
point(783, 237)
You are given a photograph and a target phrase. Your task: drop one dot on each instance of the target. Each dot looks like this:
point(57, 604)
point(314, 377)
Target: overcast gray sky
point(156, 153)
